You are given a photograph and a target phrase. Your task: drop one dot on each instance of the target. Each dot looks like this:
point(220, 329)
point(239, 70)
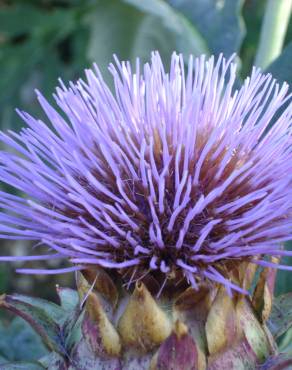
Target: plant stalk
point(273, 31)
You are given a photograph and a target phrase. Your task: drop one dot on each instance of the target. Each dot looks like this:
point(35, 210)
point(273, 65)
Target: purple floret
point(175, 171)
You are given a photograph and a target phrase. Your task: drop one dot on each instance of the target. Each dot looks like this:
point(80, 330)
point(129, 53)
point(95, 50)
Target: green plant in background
point(41, 41)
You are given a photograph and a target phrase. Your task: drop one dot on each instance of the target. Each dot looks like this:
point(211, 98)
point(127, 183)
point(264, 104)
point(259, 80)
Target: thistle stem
point(273, 31)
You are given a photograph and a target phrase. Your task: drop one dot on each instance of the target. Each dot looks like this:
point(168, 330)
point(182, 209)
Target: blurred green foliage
point(42, 40)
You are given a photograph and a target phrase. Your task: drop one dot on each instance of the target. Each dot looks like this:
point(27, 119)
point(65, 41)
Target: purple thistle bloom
point(174, 172)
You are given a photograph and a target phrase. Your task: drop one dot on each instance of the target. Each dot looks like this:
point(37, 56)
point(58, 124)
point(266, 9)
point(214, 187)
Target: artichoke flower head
point(168, 192)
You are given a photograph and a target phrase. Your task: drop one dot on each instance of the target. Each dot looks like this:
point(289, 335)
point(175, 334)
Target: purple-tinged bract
point(175, 172)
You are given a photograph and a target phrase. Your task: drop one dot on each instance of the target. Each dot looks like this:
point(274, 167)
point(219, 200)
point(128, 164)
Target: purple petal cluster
point(174, 171)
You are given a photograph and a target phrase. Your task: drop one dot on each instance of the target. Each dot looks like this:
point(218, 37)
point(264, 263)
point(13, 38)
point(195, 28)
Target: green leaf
point(188, 39)
point(52, 310)
point(280, 319)
point(281, 68)
point(19, 342)
point(133, 29)
point(73, 329)
point(69, 298)
point(252, 12)
point(29, 365)
point(113, 27)
point(151, 35)
point(218, 20)
point(38, 318)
